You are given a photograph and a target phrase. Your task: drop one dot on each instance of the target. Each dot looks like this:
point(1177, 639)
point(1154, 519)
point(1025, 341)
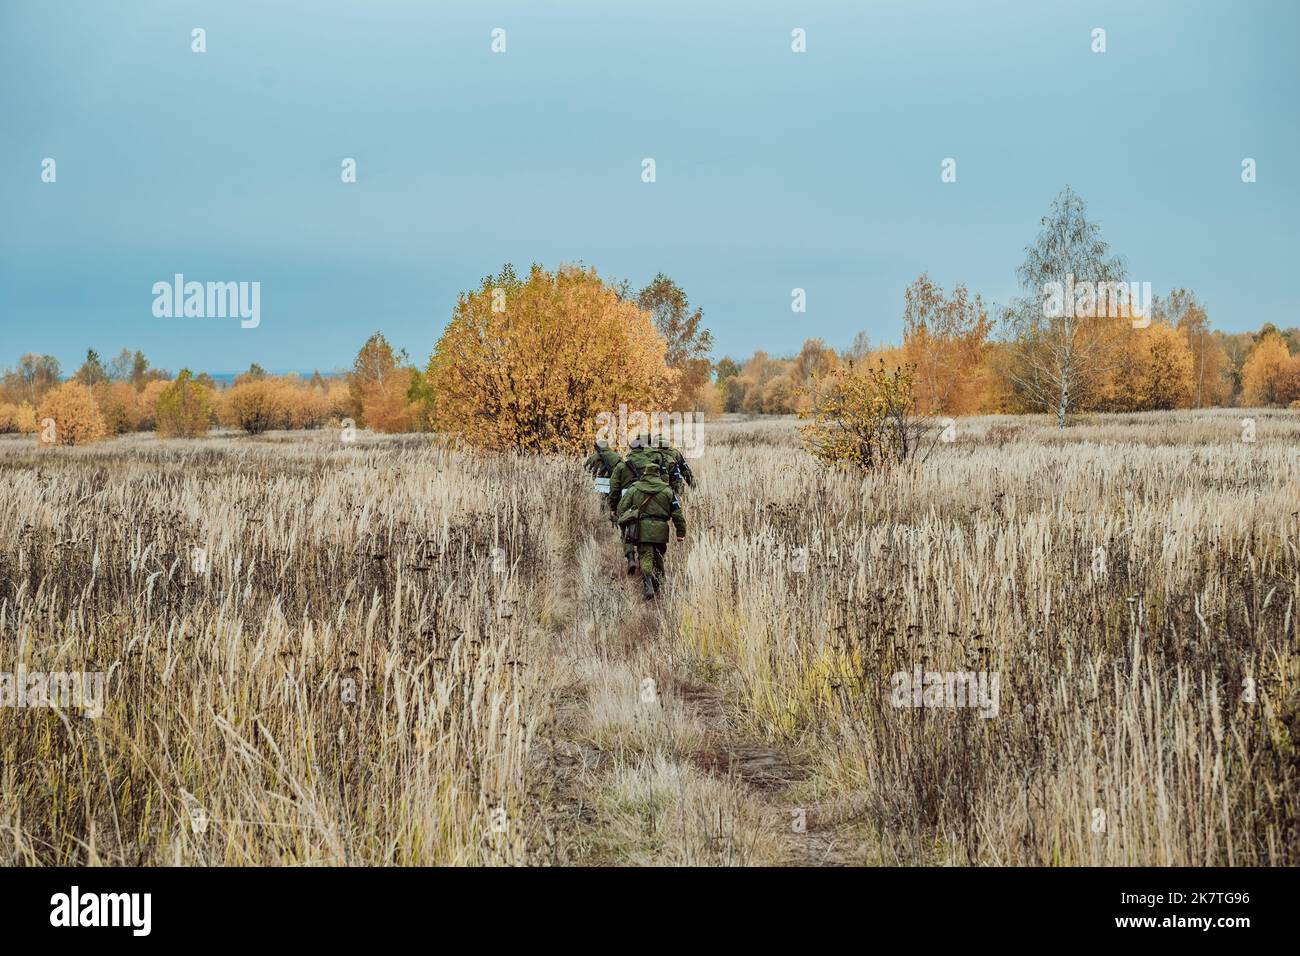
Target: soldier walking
point(602, 461)
point(672, 464)
point(645, 509)
point(627, 471)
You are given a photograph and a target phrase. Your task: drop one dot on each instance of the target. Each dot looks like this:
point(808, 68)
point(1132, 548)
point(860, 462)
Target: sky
point(775, 170)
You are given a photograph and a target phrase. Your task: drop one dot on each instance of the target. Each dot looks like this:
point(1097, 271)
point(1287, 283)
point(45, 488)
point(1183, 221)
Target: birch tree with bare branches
point(1058, 357)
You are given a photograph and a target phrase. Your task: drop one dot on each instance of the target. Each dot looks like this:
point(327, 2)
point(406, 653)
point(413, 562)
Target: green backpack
point(630, 520)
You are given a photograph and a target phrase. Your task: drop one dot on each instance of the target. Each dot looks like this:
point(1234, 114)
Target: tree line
point(527, 362)
point(967, 358)
point(1177, 362)
point(101, 402)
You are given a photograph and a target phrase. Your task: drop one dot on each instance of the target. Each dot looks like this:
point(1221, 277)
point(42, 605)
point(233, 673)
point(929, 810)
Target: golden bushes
point(69, 416)
point(119, 403)
point(255, 406)
point(1149, 369)
point(864, 418)
point(528, 364)
point(183, 408)
point(1266, 378)
point(147, 404)
point(20, 418)
point(305, 406)
point(265, 404)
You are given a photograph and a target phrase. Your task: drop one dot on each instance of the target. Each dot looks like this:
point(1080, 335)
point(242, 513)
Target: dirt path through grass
point(646, 764)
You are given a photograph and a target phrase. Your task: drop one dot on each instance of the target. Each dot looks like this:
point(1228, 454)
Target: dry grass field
point(395, 652)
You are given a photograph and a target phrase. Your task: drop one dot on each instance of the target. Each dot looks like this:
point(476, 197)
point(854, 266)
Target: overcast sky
point(775, 170)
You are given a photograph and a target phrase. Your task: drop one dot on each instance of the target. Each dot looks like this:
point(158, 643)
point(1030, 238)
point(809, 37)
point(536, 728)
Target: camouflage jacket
point(654, 499)
point(672, 464)
point(602, 462)
point(626, 472)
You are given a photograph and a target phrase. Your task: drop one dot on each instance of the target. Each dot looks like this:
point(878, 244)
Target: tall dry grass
point(1126, 733)
point(357, 677)
point(352, 680)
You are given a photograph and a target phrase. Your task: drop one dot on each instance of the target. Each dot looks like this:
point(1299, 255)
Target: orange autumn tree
point(1211, 366)
point(945, 338)
point(379, 388)
point(528, 364)
point(1265, 374)
point(69, 416)
point(1151, 368)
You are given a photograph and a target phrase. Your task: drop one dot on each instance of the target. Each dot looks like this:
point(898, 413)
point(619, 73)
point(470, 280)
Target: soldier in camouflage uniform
point(624, 474)
point(602, 461)
point(672, 464)
point(645, 509)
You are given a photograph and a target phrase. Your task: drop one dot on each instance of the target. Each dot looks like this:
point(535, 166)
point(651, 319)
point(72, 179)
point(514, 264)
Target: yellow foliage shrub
point(338, 402)
point(119, 405)
point(255, 405)
point(26, 418)
point(305, 406)
point(183, 408)
point(529, 364)
point(69, 416)
point(147, 405)
point(864, 418)
point(263, 404)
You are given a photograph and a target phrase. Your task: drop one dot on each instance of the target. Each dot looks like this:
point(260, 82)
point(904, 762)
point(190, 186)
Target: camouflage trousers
point(650, 558)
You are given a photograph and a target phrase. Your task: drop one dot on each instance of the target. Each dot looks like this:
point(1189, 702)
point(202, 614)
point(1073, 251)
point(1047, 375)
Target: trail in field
point(647, 764)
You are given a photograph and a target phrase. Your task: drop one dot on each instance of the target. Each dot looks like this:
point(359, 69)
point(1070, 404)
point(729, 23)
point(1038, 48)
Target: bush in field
point(1266, 374)
point(259, 403)
point(338, 401)
point(389, 408)
point(183, 408)
point(305, 406)
point(378, 387)
point(147, 404)
point(255, 405)
point(529, 364)
point(8, 418)
point(77, 419)
point(120, 406)
point(26, 418)
point(865, 418)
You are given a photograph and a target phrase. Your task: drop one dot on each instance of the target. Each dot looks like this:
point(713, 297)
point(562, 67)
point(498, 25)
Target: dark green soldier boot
point(631, 562)
point(648, 586)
